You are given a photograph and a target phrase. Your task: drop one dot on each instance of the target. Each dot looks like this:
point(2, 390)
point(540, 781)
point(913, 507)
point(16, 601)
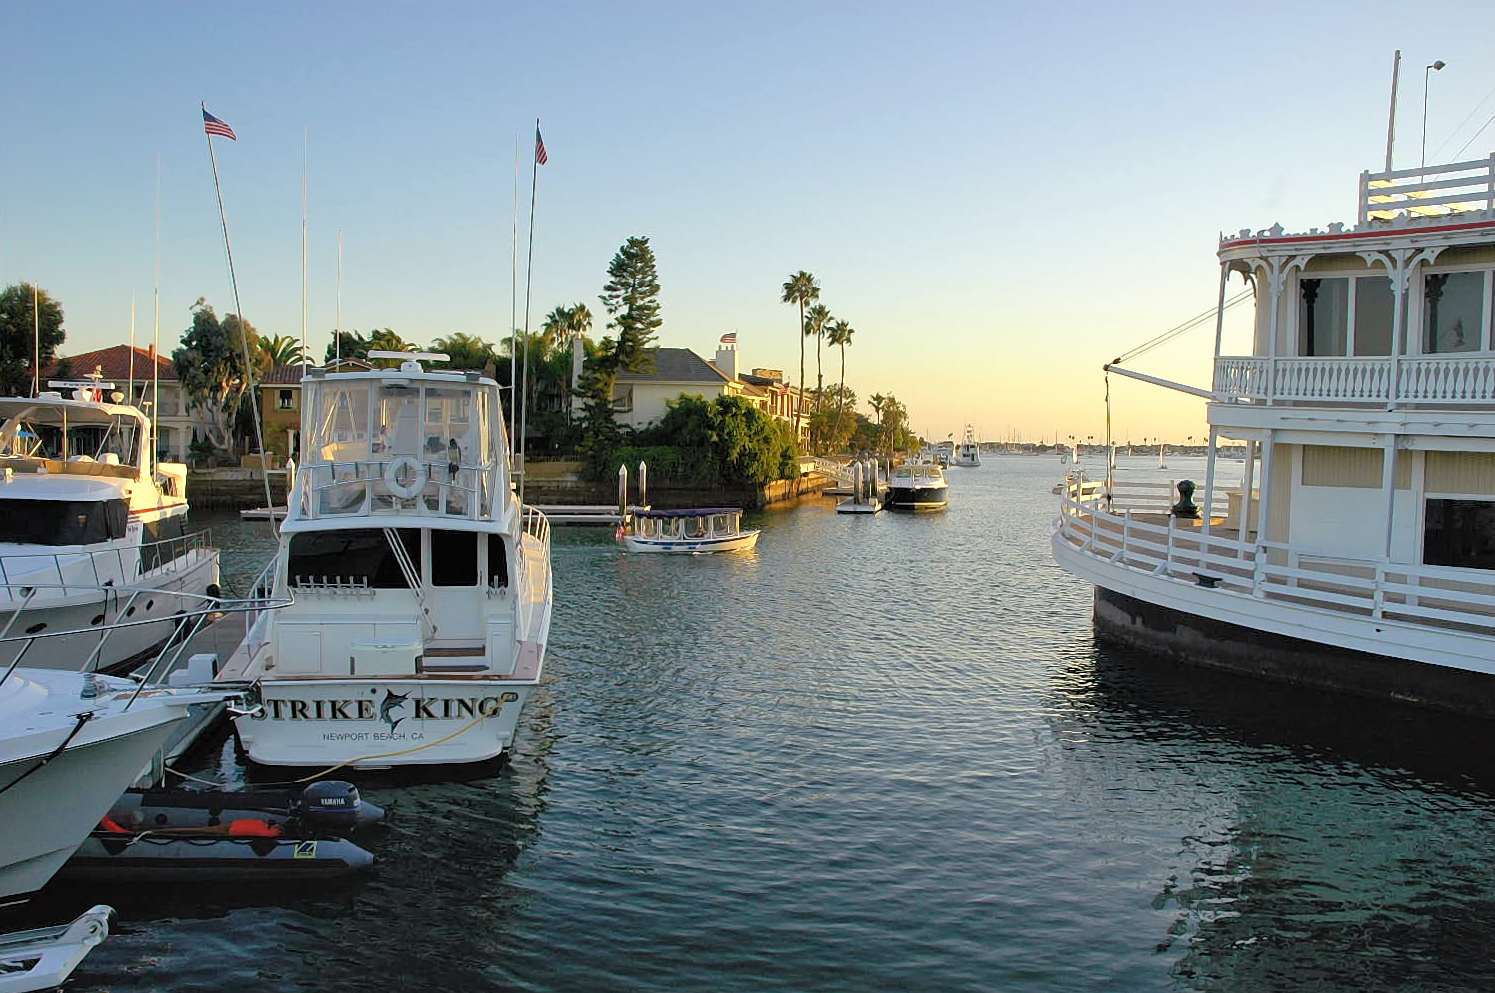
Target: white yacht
point(92, 531)
point(421, 587)
point(968, 452)
point(917, 486)
point(1357, 551)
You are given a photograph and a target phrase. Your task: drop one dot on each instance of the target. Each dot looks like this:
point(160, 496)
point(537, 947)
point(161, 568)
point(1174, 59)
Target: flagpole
point(514, 308)
point(529, 274)
point(254, 407)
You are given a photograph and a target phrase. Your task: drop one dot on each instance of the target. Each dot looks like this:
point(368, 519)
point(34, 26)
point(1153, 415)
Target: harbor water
point(877, 753)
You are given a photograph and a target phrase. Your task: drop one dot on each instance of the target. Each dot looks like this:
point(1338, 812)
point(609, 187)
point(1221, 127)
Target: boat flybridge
point(1354, 546)
point(421, 586)
point(968, 452)
point(92, 531)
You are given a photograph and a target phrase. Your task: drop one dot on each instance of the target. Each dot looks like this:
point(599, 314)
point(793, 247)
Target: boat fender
point(112, 826)
point(401, 466)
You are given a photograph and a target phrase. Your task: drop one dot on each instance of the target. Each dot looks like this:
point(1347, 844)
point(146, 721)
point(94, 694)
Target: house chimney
point(726, 356)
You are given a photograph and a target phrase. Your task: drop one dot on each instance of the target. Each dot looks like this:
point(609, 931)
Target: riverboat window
point(721, 523)
point(357, 555)
point(64, 522)
point(1375, 307)
point(1453, 312)
point(1324, 316)
point(1459, 533)
point(695, 527)
point(454, 558)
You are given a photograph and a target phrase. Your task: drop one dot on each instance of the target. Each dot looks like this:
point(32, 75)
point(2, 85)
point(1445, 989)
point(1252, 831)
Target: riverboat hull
point(740, 542)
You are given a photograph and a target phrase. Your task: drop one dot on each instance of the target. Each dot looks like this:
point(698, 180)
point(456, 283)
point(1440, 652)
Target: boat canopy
point(72, 435)
point(693, 512)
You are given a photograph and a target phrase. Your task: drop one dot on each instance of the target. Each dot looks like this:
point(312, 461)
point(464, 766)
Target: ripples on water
point(879, 754)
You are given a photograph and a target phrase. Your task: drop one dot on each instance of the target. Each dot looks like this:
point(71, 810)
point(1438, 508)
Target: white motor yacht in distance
point(421, 587)
point(92, 530)
point(968, 452)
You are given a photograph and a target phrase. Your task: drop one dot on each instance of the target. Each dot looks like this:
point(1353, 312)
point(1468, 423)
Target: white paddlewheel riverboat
point(1357, 550)
point(421, 587)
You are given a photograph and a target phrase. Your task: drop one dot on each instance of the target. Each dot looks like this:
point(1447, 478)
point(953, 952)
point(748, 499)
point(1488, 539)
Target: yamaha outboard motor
point(332, 806)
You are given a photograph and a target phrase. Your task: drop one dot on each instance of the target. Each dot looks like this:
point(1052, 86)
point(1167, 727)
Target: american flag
point(730, 338)
point(213, 125)
point(540, 155)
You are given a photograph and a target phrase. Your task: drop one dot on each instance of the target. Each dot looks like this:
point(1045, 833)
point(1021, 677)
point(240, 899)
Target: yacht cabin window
point(498, 563)
point(64, 522)
point(355, 556)
point(454, 558)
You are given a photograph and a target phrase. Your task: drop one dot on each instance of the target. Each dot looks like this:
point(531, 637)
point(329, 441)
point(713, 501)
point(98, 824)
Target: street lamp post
point(1426, 72)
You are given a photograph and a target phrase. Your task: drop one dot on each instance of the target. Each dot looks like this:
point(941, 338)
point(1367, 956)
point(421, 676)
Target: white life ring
point(394, 469)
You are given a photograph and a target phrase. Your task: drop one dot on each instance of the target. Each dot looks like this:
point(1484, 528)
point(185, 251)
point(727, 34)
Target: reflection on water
point(882, 753)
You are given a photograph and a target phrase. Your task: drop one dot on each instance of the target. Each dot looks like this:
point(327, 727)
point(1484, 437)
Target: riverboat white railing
point(64, 572)
point(1154, 544)
point(1455, 380)
point(1428, 190)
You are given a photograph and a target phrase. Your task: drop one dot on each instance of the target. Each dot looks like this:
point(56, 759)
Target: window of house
point(623, 398)
point(1459, 533)
point(1453, 312)
point(1323, 324)
point(286, 403)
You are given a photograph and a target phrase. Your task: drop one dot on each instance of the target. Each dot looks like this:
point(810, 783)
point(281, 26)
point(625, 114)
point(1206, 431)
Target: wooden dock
point(587, 514)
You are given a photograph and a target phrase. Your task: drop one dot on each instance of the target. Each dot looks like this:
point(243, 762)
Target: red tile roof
point(284, 375)
point(114, 364)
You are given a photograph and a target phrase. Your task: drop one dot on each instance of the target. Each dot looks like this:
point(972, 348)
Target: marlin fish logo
point(392, 701)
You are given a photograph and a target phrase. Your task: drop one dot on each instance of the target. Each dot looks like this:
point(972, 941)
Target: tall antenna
point(514, 311)
point(36, 339)
point(337, 334)
point(305, 196)
point(131, 394)
point(156, 324)
point(536, 160)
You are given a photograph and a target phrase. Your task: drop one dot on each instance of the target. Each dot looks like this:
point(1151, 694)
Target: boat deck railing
point(361, 488)
point(1428, 190)
point(1460, 380)
point(22, 575)
point(1156, 543)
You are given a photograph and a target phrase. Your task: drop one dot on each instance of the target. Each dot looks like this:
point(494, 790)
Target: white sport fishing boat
point(968, 452)
point(689, 532)
point(421, 587)
point(92, 531)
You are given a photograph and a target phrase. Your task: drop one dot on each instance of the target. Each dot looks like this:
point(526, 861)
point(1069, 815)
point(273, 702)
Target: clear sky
point(998, 197)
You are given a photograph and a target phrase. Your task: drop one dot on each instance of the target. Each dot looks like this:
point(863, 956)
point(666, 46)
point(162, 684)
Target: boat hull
point(692, 546)
point(382, 723)
point(920, 498)
point(47, 815)
point(126, 646)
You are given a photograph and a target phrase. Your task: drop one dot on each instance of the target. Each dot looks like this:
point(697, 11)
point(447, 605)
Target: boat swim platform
point(263, 513)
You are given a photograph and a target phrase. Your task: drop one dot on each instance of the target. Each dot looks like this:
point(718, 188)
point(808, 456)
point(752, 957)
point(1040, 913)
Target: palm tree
point(464, 351)
point(817, 319)
point(387, 340)
point(800, 288)
point(279, 350)
point(563, 324)
point(839, 334)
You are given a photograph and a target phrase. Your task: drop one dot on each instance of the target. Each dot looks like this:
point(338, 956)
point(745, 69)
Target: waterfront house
point(178, 421)
point(280, 403)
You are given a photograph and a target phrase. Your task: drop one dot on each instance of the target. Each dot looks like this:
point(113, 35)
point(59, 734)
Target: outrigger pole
point(254, 407)
point(529, 273)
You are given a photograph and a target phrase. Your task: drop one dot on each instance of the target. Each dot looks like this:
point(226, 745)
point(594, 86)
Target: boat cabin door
point(453, 571)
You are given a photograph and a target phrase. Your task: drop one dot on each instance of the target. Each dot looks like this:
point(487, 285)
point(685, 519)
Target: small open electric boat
point(689, 532)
